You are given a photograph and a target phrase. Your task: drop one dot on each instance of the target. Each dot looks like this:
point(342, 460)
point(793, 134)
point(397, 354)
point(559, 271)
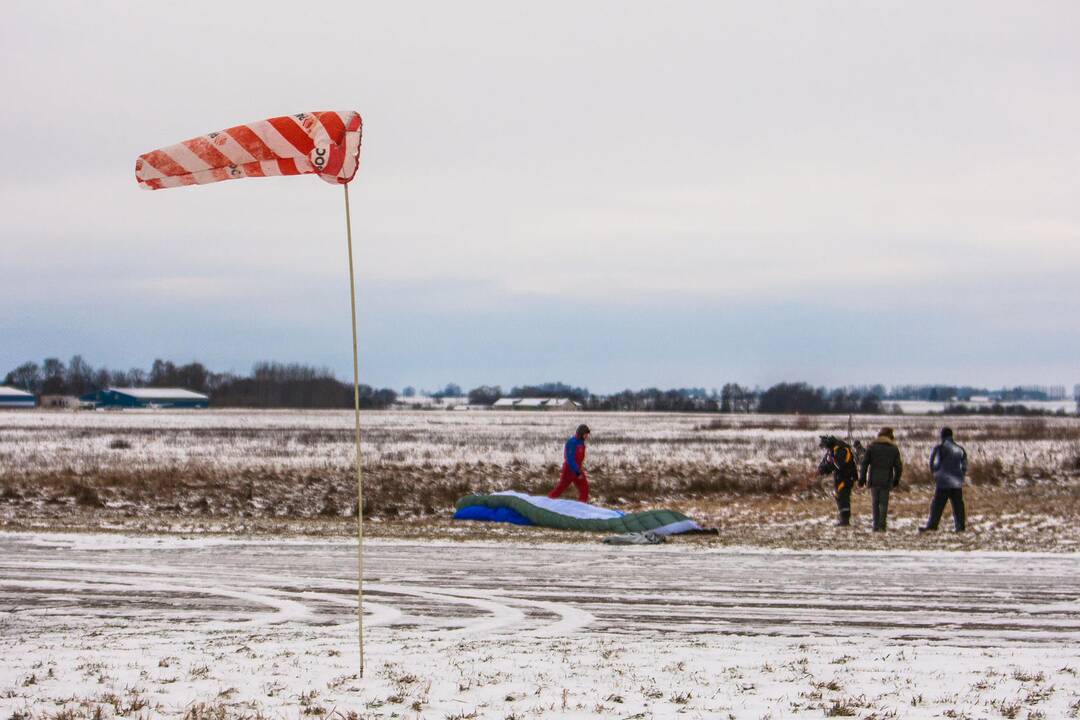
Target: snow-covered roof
point(10, 392)
point(160, 393)
point(416, 400)
point(533, 402)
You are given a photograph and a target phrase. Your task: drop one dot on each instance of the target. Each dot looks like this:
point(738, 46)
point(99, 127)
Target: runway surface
point(157, 626)
point(104, 583)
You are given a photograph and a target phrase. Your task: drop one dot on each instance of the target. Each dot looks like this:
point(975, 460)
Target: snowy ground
point(229, 442)
point(104, 625)
point(928, 406)
point(235, 469)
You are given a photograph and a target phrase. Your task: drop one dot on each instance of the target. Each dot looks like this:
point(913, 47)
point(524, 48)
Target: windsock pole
point(356, 412)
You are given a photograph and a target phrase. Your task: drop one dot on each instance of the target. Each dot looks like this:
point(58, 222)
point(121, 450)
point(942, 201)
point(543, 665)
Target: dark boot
point(844, 519)
point(958, 510)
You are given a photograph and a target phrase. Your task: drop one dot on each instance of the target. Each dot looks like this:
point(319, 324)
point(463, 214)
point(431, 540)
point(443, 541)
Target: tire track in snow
point(285, 610)
point(979, 599)
point(87, 583)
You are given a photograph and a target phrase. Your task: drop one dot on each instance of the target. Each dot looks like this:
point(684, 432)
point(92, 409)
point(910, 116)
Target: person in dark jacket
point(885, 467)
point(573, 469)
point(840, 461)
point(948, 463)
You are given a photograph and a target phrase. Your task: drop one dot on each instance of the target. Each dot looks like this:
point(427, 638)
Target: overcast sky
point(612, 194)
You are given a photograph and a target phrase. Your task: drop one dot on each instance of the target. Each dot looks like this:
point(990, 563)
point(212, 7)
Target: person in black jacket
point(948, 463)
point(840, 461)
point(885, 467)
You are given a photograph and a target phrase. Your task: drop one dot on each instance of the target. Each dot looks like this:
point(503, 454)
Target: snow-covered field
point(752, 476)
point(285, 440)
point(922, 407)
point(104, 625)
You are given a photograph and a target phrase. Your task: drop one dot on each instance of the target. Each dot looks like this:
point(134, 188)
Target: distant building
point(452, 402)
point(14, 398)
point(426, 402)
point(535, 404)
point(415, 402)
point(562, 404)
point(65, 402)
point(147, 398)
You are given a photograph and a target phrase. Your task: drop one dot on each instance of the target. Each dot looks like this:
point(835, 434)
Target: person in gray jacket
point(882, 460)
point(948, 463)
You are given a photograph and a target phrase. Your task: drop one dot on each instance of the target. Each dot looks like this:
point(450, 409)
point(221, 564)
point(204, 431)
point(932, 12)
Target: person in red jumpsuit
point(573, 469)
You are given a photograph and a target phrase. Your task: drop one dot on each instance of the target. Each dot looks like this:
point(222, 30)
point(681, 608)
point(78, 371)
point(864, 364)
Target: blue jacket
point(570, 453)
point(948, 463)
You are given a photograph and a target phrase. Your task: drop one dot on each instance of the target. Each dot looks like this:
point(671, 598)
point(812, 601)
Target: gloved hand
point(895, 484)
point(862, 483)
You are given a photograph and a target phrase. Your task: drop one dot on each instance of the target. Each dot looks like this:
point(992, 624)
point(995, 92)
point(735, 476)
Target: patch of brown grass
point(85, 495)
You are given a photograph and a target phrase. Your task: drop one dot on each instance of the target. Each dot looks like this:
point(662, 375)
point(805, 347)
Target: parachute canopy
point(521, 509)
point(325, 143)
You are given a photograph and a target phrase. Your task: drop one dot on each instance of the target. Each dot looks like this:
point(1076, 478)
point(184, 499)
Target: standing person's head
point(886, 432)
point(582, 432)
point(946, 434)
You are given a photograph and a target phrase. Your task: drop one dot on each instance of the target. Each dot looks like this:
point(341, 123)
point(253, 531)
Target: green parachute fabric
point(571, 514)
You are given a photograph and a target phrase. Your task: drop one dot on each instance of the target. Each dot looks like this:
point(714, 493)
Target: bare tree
point(79, 376)
point(25, 377)
point(52, 382)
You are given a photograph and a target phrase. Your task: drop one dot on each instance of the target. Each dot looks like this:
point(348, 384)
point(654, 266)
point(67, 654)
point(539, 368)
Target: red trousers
point(581, 482)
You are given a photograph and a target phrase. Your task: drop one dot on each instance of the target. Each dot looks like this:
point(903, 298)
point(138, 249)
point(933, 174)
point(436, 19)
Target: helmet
point(582, 430)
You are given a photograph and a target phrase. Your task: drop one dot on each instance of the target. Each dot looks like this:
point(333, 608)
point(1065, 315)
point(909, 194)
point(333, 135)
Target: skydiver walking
point(885, 467)
point(573, 469)
point(840, 461)
point(948, 463)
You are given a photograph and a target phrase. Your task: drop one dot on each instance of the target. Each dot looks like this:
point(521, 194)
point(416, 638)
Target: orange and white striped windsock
point(326, 144)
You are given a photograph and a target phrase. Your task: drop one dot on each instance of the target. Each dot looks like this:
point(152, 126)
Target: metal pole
point(356, 411)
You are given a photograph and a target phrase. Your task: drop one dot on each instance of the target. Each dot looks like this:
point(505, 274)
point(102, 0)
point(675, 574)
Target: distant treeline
point(733, 398)
point(780, 398)
point(270, 384)
point(273, 384)
point(945, 393)
point(676, 400)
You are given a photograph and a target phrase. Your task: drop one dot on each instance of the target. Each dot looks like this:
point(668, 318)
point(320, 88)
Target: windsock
point(325, 143)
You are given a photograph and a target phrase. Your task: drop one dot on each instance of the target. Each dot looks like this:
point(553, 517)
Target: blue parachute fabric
point(571, 515)
point(487, 514)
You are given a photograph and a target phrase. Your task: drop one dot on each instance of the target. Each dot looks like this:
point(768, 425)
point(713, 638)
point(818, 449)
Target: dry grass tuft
point(85, 495)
